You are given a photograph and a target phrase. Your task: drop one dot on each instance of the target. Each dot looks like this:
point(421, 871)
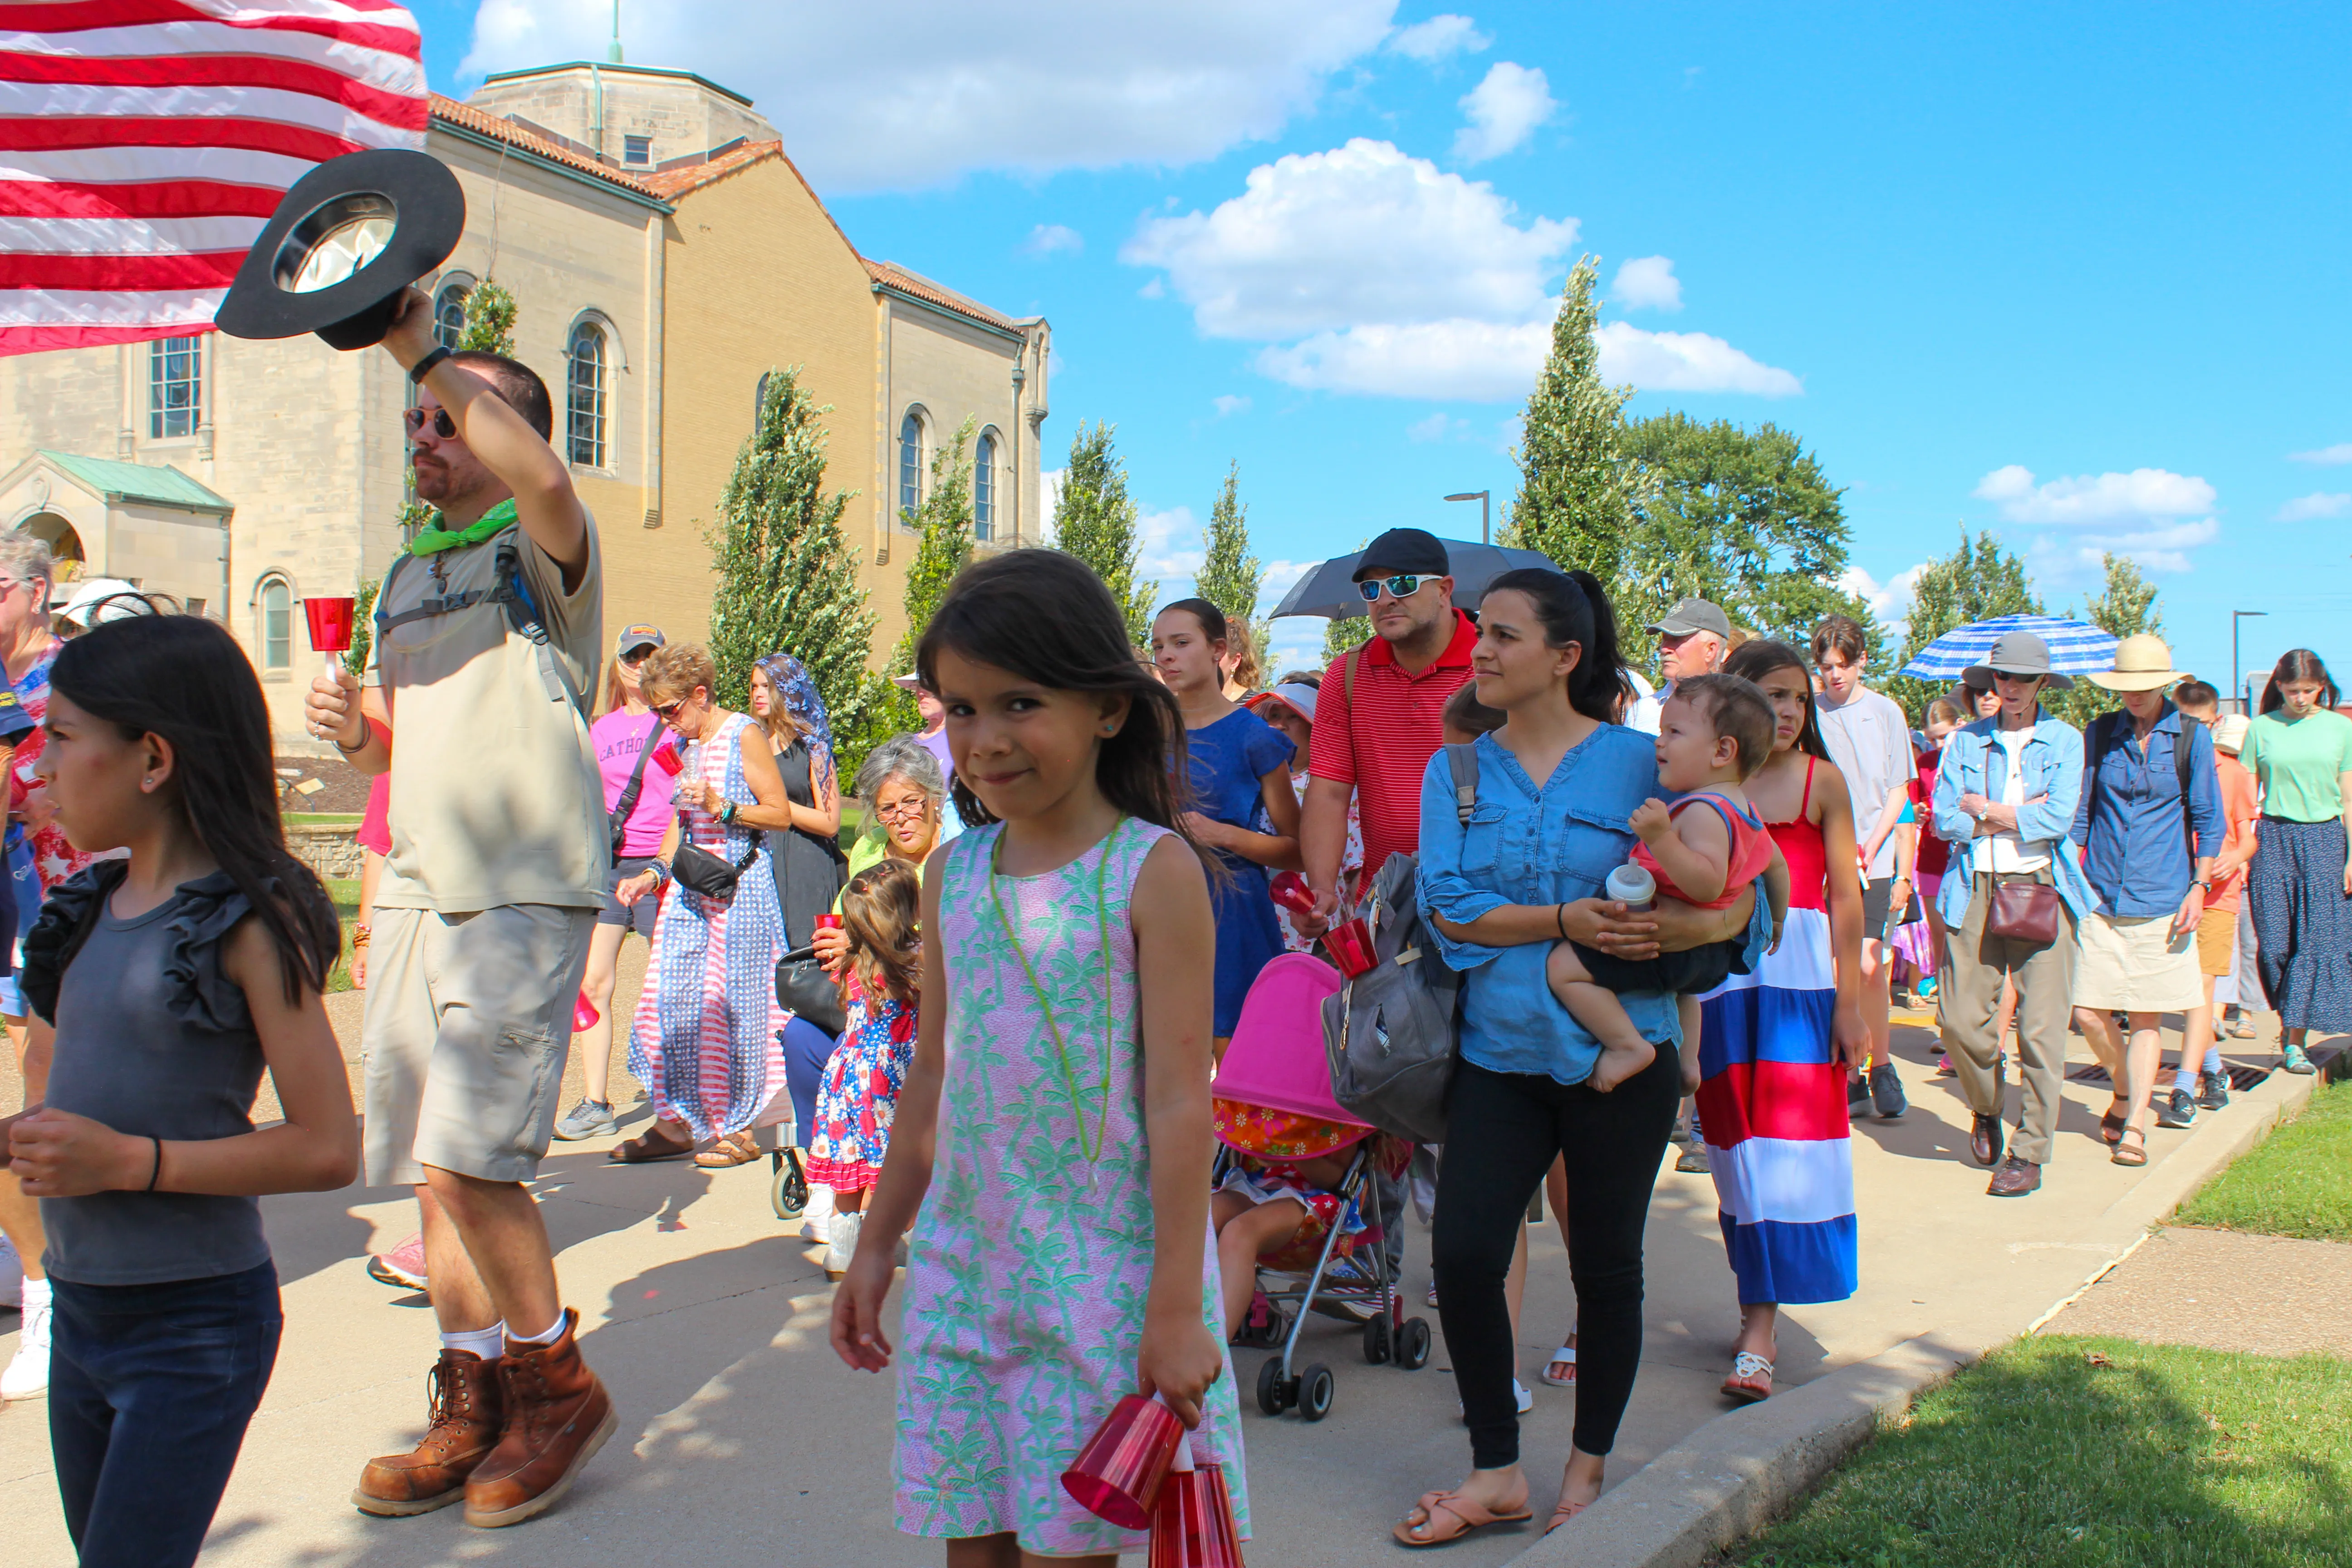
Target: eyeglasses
point(905, 810)
point(443, 425)
point(1403, 585)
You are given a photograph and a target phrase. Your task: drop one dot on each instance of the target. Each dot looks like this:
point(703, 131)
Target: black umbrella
point(1330, 590)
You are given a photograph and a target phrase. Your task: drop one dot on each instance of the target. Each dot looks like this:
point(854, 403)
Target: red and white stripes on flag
point(144, 143)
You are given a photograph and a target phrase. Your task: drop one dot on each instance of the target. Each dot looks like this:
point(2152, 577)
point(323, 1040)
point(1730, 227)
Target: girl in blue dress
point(1240, 767)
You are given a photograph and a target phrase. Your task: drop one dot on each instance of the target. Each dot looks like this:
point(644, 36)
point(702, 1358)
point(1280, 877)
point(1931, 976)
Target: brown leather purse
point(2023, 911)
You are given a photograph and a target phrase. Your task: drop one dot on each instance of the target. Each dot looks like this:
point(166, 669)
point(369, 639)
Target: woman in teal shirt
point(2301, 880)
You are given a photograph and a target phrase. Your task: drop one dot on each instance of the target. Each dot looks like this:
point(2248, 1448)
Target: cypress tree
point(1578, 488)
point(1231, 577)
point(1095, 520)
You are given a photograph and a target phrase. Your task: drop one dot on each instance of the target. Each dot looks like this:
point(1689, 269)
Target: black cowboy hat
point(350, 235)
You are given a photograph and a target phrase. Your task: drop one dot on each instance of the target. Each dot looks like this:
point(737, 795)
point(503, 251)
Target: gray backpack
point(1390, 1034)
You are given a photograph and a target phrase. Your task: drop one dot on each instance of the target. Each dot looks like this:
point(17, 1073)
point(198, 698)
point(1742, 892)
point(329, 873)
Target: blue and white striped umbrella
point(2074, 648)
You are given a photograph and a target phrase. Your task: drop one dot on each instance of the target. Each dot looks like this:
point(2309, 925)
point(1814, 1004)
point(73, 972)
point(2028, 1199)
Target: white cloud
point(1886, 600)
point(1049, 497)
point(1047, 238)
point(2080, 500)
point(2303, 508)
point(1504, 110)
point(2327, 457)
point(1437, 427)
point(1172, 550)
point(1230, 403)
point(1051, 85)
point(1323, 241)
point(1648, 283)
point(1477, 361)
point(1686, 362)
point(1443, 35)
point(2155, 549)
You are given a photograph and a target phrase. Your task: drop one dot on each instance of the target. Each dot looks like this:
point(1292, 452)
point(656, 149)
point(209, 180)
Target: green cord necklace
point(1069, 1077)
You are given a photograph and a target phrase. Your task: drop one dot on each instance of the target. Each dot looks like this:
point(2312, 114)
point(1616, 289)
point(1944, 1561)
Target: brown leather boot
point(464, 1414)
point(557, 1415)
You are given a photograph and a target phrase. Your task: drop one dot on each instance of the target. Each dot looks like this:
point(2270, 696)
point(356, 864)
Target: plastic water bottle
point(1634, 887)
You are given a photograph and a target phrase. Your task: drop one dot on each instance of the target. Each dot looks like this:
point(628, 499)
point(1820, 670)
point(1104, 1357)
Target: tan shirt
point(496, 798)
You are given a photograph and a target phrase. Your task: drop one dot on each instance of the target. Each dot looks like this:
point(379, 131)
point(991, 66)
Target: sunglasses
point(1403, 585)
point(665, 712)
point(443, 425)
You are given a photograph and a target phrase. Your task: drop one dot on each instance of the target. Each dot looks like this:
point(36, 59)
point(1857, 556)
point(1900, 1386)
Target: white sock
point(489, 1343)
point(37, 1295)
point(548, 1337)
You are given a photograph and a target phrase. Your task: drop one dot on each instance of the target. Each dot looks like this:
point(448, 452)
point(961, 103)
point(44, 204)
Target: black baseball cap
point(1402, 549)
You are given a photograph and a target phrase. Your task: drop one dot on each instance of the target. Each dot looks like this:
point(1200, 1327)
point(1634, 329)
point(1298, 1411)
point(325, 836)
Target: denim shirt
point(1526, 844)
point(1976, 763)
point(2130, 820)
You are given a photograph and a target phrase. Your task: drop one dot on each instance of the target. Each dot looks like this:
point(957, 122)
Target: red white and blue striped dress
point(1772, 1102)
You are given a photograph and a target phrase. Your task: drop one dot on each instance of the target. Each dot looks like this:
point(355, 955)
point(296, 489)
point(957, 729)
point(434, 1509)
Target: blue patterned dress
point(706, 1039)
point(1028, 1269)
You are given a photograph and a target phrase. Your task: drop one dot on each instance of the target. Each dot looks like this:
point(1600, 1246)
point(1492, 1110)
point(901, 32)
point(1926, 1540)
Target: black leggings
point(1506, 1130)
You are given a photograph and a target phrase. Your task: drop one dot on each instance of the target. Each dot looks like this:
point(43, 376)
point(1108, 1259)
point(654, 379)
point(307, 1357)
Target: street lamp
point(1486, 508)
point(2236, 690)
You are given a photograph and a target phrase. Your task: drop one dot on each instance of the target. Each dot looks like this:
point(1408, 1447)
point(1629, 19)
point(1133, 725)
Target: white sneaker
point(11, 1275)
point(27, 1376)
point(842, 1247)
point(817, 1217)
point(1521, 1395)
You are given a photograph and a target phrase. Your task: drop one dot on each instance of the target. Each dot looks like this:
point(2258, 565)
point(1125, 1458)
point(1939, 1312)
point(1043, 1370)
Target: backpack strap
point(619, 816)
point(512, 595)
point(1463, 761)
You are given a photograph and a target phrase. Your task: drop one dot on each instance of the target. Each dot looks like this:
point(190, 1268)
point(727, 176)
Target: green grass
point(2094, 1453)
point(345, 891)
point(319, 818)
point(2293, 1183)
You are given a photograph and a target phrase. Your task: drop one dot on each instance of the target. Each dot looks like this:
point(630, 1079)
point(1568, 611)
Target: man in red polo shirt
point(1376, 740)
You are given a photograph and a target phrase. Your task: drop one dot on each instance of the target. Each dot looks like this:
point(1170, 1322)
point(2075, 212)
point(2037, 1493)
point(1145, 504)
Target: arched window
point(910, 460)
point(983, 486)
point(276, 625)
point(584, 422)
point(449, 314)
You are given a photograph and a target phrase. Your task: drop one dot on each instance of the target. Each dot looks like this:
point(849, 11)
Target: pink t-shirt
point(619, 736)
point(375, 827)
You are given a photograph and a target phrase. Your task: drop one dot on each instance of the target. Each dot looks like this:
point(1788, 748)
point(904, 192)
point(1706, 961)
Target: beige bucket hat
point(2142, 664)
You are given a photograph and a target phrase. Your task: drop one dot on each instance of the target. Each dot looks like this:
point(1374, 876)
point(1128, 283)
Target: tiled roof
point(139, 481)
point(466, 116)
point(890, 275)
point(673, 182)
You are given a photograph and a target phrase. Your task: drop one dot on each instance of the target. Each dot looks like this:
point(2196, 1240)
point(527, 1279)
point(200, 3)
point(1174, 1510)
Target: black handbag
point(700, 871)
point(805, 990)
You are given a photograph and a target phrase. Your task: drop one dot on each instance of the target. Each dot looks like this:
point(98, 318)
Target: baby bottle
point(1633, 887)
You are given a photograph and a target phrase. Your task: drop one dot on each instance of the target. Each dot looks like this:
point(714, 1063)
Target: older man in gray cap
point(1694, 638)
point(2012, 896)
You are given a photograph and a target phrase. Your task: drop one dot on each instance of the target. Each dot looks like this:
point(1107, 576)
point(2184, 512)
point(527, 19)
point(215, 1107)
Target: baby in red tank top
point(1713, 732)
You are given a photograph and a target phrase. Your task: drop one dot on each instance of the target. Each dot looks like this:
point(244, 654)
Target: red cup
point(1119, 1473)
point(1351, 945)
point(584, 1015)
point(828, 923)
point(1193, 1526)
point(331, 624)
point(1291, 891)
point(666, 756)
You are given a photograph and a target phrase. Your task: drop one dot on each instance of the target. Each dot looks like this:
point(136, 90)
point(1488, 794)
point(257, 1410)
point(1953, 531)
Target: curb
point(1742, 1470)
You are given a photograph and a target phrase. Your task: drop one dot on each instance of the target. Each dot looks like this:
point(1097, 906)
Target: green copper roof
point(139, 481)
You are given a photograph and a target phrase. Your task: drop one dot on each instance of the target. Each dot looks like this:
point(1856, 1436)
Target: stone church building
point(646, 222)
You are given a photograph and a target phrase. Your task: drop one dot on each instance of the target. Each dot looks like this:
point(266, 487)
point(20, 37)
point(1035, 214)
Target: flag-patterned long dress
point(706, 1039)
point(1772, 1102)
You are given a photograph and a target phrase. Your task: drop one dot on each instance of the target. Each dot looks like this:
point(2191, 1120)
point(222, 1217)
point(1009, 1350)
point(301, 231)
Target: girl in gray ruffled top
point(170, 979)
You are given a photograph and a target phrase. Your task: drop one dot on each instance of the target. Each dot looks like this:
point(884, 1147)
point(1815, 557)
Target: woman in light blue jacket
point(2005, 798)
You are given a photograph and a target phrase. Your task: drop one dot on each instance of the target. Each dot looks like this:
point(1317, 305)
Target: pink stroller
point(1274, 1104)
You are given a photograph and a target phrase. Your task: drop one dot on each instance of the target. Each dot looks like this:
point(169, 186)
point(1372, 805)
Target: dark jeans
point(1506, 1130)
point(150, 1388)
point(806, 1050)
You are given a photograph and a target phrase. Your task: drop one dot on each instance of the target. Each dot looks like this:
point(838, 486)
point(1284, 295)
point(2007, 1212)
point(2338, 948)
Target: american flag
point(144, 143)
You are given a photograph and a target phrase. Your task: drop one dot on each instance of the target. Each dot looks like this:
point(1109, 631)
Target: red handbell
point(1194, 1525)
point(1119, 1473)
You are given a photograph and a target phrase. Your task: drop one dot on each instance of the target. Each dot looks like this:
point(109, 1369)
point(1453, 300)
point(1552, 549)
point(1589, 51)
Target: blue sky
point(2074, 274)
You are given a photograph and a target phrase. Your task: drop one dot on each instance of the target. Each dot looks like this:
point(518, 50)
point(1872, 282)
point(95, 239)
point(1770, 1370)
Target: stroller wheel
point(788, 1195)
point(1413, 1344)
point(1314, 1386)
point(1271, 1391)
point(1376, 1340)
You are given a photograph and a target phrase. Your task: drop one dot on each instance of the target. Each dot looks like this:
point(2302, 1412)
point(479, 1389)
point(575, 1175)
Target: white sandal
point(1751, 1379)
point(1564, 1356)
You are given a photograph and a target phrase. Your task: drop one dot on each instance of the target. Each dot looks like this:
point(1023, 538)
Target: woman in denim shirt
point(2005, 800)
point(1555, 785)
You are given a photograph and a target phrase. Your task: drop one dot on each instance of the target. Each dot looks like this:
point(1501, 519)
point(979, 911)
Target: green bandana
point(434, 538)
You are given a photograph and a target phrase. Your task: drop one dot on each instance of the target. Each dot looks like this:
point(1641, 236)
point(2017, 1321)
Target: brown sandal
point(729, 1152)
point(1461, 1516)
point(2111, 1128)
point(646, 1147)
point(2123, 1155)
point(1563, 1513)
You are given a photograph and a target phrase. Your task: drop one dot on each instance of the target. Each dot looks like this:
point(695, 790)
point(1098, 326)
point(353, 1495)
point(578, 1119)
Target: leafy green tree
point(1977, 582)
point(1579, 486)
point(1231, 577)
point(362, 626)
point(490, 320)
point(2126, 606)
point(1338, 637)
point(787, 576)
point(1095, 520)
point(945, 523)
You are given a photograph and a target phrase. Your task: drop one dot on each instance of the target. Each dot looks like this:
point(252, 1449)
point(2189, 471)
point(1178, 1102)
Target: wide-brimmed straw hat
point(2229, 732)
point(2017, 653)
point(2142, 664)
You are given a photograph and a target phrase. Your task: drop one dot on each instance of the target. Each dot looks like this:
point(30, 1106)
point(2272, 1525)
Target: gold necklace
point(1061, 1049)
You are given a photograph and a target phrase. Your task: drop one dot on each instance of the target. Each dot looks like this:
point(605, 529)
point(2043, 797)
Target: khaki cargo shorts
point(468, 1021)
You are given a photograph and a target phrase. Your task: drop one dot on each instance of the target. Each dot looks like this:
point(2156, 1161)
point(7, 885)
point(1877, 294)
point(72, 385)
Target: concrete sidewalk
point(743, 1436)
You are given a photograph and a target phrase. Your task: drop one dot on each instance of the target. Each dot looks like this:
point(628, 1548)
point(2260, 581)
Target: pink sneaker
point(402, 1266)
